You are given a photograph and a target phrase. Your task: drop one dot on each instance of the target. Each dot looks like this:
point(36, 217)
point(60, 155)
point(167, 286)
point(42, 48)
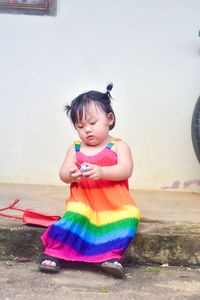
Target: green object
point(103, 291)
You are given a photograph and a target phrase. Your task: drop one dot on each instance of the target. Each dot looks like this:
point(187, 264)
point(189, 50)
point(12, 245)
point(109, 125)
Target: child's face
point(93, 128)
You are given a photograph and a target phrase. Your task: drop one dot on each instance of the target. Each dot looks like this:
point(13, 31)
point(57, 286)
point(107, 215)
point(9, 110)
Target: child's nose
point(88, 128)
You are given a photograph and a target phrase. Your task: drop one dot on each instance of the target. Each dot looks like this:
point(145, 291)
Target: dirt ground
point(21, 280)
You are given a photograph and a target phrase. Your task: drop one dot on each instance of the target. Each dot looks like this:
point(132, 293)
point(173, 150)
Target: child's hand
point(75, 174)
point(93, 172)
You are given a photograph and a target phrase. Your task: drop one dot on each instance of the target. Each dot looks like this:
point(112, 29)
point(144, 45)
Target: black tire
point(196, 129)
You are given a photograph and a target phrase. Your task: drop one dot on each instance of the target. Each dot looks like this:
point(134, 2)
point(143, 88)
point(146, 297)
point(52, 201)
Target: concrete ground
point(82, 281)
point(161, 206)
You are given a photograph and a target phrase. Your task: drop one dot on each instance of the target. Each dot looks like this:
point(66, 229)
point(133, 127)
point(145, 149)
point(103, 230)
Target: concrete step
point(169, 231)
point(175, 244)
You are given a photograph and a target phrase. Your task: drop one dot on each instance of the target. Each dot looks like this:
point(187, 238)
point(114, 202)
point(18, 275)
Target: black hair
point(102, 100)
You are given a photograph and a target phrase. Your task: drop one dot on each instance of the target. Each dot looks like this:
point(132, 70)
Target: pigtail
point(108, 90)
point(109, 87)
point(67, 109)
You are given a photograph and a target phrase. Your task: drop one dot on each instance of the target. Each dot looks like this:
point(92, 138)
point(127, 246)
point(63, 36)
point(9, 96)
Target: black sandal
point(112, 268)
point(48, 268)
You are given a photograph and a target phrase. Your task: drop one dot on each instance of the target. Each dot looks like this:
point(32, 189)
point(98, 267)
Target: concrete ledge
point(20, 241)
point(175, 244)
point(154, 242)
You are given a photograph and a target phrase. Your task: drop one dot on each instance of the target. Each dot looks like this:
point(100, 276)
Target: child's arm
point(69, 172)
point(121, 171)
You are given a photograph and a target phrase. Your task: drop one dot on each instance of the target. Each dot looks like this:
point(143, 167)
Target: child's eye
point(92, 123)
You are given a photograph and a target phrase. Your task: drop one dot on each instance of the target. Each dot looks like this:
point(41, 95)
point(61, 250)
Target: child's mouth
point(90, 137)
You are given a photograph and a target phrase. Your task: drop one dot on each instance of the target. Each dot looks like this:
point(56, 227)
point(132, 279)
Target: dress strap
point(112, 143)
point(77, 145)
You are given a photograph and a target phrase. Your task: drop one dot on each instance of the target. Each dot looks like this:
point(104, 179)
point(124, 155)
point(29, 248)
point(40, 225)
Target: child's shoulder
point(120, 141)
point(72, 148)
point(120, 145)
point(75, 144)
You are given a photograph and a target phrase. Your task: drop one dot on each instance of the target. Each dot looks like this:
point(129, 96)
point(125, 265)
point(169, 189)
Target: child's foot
point(49, 264)
point(114, 267)
point(118, 264)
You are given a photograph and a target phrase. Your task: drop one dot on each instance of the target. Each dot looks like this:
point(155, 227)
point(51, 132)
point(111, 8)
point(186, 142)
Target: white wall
point(150, 49)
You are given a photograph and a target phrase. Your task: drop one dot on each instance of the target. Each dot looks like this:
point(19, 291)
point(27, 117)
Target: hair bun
point(109, 87)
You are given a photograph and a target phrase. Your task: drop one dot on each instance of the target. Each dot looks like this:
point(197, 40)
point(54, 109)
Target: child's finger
point(78, 165)
point(76, 174)
point(89, 167)
point(88, 173)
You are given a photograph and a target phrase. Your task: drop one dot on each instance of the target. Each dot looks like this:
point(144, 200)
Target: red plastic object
point(31, 216)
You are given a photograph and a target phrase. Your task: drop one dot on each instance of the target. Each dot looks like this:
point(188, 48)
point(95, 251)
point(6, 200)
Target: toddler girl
point(101, 217)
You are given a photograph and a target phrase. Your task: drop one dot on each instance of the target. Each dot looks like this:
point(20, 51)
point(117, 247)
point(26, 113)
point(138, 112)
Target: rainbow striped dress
point(101, 217)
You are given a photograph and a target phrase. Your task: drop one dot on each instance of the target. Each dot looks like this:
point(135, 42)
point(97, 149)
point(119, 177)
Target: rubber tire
point(195, 129)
